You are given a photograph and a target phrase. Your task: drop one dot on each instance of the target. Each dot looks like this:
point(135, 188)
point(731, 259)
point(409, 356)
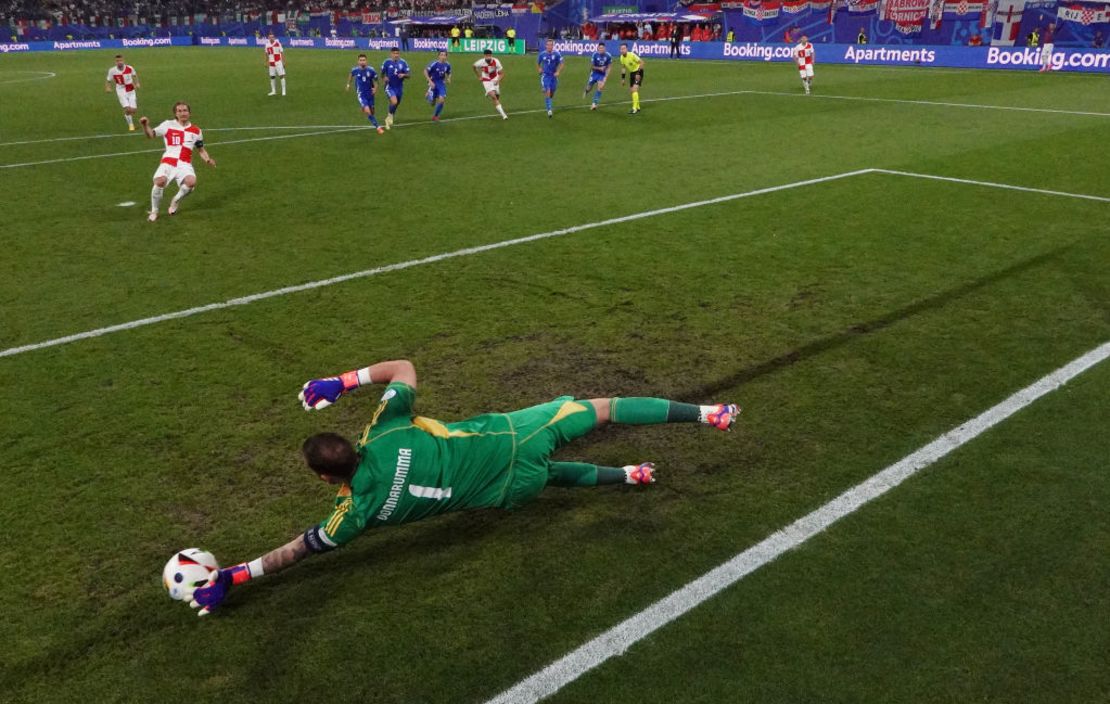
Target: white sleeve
point(160, 130)
point(109, 75)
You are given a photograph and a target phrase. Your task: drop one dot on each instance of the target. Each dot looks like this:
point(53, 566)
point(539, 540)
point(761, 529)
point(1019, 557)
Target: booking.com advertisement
point(1078, 60)
point(1074, 60)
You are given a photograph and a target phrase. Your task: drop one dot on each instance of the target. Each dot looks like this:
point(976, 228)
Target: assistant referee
point(633, 66)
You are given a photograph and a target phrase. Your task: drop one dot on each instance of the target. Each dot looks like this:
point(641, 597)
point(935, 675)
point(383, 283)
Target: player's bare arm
point(318, 394)
point(289, 554)
point(108, 86)
point(207, 159)
point(145, 122)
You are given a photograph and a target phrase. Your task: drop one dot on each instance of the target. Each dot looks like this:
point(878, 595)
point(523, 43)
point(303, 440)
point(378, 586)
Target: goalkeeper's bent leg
point(654, 411)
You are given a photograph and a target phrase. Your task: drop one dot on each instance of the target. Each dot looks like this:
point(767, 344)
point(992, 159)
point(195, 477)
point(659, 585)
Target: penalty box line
point(244, 300)
point(399, 266)
point(618, 639)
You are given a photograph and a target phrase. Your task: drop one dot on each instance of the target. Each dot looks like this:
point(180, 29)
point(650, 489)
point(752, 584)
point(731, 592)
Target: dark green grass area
point(854, 320)
point(982, 580)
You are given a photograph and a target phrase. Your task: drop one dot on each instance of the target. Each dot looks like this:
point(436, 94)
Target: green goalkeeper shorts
point(540, 431)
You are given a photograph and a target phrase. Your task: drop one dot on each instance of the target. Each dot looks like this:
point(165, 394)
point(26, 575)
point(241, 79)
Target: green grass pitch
point(854, 320)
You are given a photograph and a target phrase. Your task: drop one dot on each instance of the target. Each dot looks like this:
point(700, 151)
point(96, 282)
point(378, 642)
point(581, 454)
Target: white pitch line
point(45, 76)
point(138, 134)
point(244, 300)
point(991, 184)
point(936, 103)
point(159, 149)
point(621, 637)
point(348, 128)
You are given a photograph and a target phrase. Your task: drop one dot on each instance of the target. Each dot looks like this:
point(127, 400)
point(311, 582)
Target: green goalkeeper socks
point(651, 411)
point(583, 474)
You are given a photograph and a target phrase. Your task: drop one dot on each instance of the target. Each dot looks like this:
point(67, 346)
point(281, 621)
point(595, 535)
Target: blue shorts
point(394, 92)
point(438, 89)
point(366, 100)
point(549, 83)
point(597, 77)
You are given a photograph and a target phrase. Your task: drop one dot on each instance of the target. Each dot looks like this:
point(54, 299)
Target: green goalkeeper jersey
point(412, 468)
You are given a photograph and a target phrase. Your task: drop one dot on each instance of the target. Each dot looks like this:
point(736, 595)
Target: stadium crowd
point(648, 31)
point(105, 12)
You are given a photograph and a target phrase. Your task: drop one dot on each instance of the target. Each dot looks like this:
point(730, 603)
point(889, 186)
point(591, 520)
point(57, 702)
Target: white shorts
point(806, 71)
point(126, 99)
point(278, 69)
point(1046, 53)
point(491, 87)
point(175, 173)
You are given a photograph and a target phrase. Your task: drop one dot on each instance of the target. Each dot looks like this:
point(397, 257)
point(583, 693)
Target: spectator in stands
point(975, 40)
point(862, 38)
point(1097, 42)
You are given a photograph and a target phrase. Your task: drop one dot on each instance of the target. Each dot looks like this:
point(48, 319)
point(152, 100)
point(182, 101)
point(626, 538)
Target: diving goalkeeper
point(406, 467)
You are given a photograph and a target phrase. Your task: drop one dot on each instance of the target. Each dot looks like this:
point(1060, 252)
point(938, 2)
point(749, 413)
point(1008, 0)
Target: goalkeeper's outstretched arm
point(318, 394)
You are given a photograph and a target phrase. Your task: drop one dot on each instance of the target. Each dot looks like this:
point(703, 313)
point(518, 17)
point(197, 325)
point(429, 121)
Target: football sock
point(273, 86)
point(547, 102)
point(583, 474)
point(283, 85)
point(130, 122)
point(373, 120)
point(597, 97)
point(181, 193)
point(500, 109)
point(650, 411)
point(439, 108)
point(155, 198)
point(636, 100)
point(392, 108)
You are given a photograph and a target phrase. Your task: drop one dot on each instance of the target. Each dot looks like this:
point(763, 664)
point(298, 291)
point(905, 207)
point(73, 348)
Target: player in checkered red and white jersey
point(182, 139)
point(126, 81)
point(803, 56)
point(275, 59)
point(489, 71)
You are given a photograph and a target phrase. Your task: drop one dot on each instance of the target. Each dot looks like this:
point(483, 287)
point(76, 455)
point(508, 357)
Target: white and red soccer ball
point(186, 571)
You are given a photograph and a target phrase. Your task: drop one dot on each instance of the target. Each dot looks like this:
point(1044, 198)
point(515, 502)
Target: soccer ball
point(187, 570)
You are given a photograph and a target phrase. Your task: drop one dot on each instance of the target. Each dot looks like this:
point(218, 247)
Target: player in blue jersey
point(394, 72)
point(365, 79)
point(438, 74)
point(600, 64)
point(549, 65)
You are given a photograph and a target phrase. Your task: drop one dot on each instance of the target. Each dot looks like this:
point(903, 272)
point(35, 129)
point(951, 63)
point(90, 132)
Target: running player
point(803, 55)
point(126, 81)
point(549, 65)
point(182, 138)
point(438, 74)
point(366, 86)
point(633, 65)
point(275, 59)
point(600, 65)
point(489, 71)
point(1048, 44)
point(394, 72)
point(406, 467)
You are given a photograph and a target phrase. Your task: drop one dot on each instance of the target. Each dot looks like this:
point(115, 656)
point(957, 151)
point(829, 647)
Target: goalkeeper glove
point(318, 394)
point(208, 597)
